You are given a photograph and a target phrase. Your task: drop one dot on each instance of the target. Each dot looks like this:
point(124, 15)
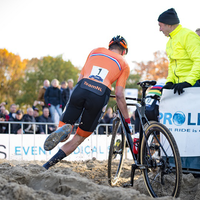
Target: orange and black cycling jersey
point(105, 66)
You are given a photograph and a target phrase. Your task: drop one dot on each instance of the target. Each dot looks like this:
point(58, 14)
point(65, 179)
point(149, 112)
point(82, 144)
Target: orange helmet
point(119, 40)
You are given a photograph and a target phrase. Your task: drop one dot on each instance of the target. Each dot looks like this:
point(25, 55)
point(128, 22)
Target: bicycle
point(158, 156)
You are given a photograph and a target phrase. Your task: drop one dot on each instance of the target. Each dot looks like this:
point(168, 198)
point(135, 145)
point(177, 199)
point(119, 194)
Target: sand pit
point(76, 181)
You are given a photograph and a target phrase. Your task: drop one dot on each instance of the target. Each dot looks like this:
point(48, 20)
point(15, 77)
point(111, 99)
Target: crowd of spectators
point(51, 98)
point(32, 116)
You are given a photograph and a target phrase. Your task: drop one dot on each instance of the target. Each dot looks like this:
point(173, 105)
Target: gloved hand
point(49, 105)
point(179, 87)
point(173, 86)
point(60, 106)
point(168, 85)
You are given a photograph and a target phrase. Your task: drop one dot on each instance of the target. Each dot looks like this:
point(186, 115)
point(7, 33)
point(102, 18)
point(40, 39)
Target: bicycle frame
point(156, 147)
point(142, 118)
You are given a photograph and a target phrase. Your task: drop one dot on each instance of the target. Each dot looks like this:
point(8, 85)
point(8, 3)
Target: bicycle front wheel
point(116, 154)
point(160, 155)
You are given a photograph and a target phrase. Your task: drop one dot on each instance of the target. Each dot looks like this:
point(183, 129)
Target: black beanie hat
point(169, 17)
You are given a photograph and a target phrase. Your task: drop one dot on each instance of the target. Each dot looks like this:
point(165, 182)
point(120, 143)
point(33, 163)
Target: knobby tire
point(115, 159)
point(163, 173)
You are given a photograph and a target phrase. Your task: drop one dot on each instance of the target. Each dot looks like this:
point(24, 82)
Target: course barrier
point(181, 114)
point(30, 146)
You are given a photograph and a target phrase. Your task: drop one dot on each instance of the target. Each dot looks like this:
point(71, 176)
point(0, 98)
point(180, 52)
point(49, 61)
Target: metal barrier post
point(22, 141)
point(9, 130)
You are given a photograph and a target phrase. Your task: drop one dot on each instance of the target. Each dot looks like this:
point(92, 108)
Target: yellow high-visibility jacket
point(183, 50)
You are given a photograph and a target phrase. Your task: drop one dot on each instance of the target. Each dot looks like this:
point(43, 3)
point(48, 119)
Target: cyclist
point(90, 96)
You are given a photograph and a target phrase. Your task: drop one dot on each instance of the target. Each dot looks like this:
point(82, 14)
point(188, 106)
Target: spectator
point(183, 50)
point(36, 116)
point(35, 103)
point(17, 128)
point(63, 94)
point(35, 109)
point(42, 92)
point(2, 109)
point(198, 32)
point(53, 99)
point(29, 128)
point(101, 129)
point(5, 116)
point(108, 118)
point(13, 109)
point(67, 93)
point(3, 126)
point(3, 104)
point(36, 113)
point(45, 118)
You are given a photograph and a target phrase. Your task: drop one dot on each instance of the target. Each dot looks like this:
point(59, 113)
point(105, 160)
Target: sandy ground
point(77, 181)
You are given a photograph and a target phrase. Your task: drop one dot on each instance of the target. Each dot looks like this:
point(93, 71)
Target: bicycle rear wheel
point(160, 155)
point(116, 154)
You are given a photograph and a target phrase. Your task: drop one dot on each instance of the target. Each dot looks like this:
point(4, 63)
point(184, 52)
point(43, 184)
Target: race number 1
point(98, 73)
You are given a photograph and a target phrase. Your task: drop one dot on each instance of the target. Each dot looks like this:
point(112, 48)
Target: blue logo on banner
point(178, 118)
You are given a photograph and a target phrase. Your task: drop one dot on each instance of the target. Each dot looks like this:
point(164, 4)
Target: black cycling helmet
point(119, 40)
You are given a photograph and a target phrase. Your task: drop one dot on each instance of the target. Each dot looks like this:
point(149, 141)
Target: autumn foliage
point(12, 71)
point(21, 80)
point(154, 70)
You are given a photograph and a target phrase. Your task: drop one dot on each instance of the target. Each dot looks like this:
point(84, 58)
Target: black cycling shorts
point(87, 100)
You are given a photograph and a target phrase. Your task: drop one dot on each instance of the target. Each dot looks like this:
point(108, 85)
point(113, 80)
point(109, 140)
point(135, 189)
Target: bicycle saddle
point(146, 83)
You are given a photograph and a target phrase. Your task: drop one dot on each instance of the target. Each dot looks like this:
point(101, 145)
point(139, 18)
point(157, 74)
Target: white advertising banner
point(181, 114)
point(30, 147)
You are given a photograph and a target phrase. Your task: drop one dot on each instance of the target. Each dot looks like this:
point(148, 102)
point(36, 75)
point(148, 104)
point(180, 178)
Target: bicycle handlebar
point(128, 98)
point(144, 85)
